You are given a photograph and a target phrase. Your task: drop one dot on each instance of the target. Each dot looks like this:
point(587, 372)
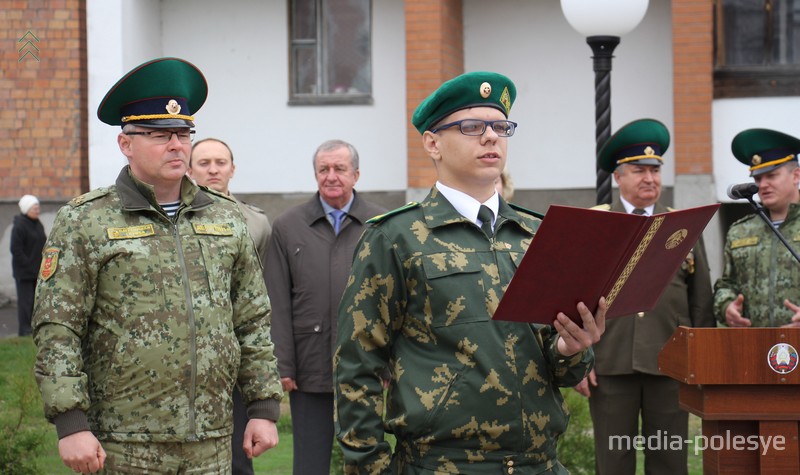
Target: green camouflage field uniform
point(468, 394)
point(143, 322)
point(758, 266)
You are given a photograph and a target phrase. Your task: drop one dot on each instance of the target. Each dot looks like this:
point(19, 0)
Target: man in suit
point(625, 383)
point(310, 255)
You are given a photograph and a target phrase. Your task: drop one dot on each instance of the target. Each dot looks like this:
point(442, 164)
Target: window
point(331, 52)
point(757, 48)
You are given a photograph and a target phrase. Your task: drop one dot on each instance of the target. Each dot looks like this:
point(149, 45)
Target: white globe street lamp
point(602, 22)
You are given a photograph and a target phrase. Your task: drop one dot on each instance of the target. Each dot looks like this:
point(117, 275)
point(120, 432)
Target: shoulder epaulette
point(381, 217)
point(90, 196)
point(216, 193)
point(602, 207)
point(525, 210)
point(254, 208)
point(743, 219)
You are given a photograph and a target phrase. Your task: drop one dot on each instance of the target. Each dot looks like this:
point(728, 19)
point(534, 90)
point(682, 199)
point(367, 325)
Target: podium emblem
point(782, 358)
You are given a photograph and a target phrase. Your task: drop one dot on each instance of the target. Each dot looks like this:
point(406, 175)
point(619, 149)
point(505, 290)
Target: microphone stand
point(760, 211)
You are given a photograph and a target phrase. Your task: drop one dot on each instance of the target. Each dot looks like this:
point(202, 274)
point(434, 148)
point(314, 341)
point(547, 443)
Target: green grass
point(26, 435)
point(576, 447)
point(22, 420)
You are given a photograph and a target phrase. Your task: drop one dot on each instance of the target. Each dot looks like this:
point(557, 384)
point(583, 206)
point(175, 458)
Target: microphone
point(742, 191)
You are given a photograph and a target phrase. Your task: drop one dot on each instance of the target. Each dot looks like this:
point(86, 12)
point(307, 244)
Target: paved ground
point(8, 321)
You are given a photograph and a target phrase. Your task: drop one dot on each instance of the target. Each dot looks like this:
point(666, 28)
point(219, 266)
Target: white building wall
point(242, 48)
point(551, 65)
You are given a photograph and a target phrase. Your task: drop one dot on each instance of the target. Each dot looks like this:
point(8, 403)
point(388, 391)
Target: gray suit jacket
point(306, 276)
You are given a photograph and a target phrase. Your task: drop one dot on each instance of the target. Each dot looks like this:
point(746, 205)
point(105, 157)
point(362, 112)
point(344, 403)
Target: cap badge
point(649, 151)
point(782, 358)
point(505, 99)
point(756, 159)
point(486, 90)
point(173, 107)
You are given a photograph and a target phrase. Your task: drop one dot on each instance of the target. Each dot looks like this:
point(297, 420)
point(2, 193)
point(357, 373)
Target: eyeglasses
point(503, 128)
point(161, 137)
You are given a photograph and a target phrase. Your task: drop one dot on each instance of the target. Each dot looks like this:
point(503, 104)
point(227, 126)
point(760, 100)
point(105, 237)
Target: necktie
point(338, 216)
point(638, 211)
point(485, 215)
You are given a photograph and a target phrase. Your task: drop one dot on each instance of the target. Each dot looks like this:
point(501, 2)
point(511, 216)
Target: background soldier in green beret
point(151, 304)
point(467, 394)
point(625, 383)
point(760, 284)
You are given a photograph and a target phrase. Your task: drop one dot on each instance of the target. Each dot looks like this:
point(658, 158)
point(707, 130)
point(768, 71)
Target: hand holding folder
point(580, 255)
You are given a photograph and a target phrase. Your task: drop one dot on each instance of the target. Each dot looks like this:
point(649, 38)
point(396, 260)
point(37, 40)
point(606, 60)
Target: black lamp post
point(602, 22)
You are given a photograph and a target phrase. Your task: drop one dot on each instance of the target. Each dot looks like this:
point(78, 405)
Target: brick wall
point(434, 54)
point(43, 108)
point(693, 63)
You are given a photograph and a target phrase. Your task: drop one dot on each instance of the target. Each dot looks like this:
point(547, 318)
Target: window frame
point(738, 81)
point(321, 55)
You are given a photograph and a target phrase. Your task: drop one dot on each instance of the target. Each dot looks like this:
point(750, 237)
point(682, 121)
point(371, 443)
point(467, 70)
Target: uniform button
point(316, 328)
point(640, 314)
point(510, 470)
point(510, 463)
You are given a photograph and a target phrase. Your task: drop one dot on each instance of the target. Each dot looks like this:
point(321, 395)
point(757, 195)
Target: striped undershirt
point(171, 208)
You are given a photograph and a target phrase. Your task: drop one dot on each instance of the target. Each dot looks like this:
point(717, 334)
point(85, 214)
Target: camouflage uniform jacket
point(143, 322)
point(758, 266)
point(468, 394)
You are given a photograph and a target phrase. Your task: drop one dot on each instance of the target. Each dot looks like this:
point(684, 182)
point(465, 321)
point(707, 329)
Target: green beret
point(764, 150)
point(642, 142)
point(476, 89)
point(161, 93)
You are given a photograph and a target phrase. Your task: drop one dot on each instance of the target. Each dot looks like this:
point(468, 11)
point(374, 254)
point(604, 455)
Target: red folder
point(580, 255)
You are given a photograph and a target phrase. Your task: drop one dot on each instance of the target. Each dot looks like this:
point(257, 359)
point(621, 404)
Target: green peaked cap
point(642, 142)
point(475, 89)
point(161, 93)
point(764, 150)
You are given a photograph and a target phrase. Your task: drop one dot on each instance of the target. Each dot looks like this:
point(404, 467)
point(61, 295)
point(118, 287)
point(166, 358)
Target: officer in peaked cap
point(626, 384)
point(642, 141)
point(760, 286)
point(764, 150)
point(163, 93)
point(150, 306)
point(423, 288)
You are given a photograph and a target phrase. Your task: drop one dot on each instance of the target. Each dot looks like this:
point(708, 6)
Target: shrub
point(20, 444)
point(576, 446)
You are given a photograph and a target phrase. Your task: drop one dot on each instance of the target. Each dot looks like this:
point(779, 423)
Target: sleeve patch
point(49, 263)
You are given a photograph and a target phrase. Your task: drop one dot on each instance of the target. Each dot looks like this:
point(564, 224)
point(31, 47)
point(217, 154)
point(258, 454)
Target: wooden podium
point(744, 384)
